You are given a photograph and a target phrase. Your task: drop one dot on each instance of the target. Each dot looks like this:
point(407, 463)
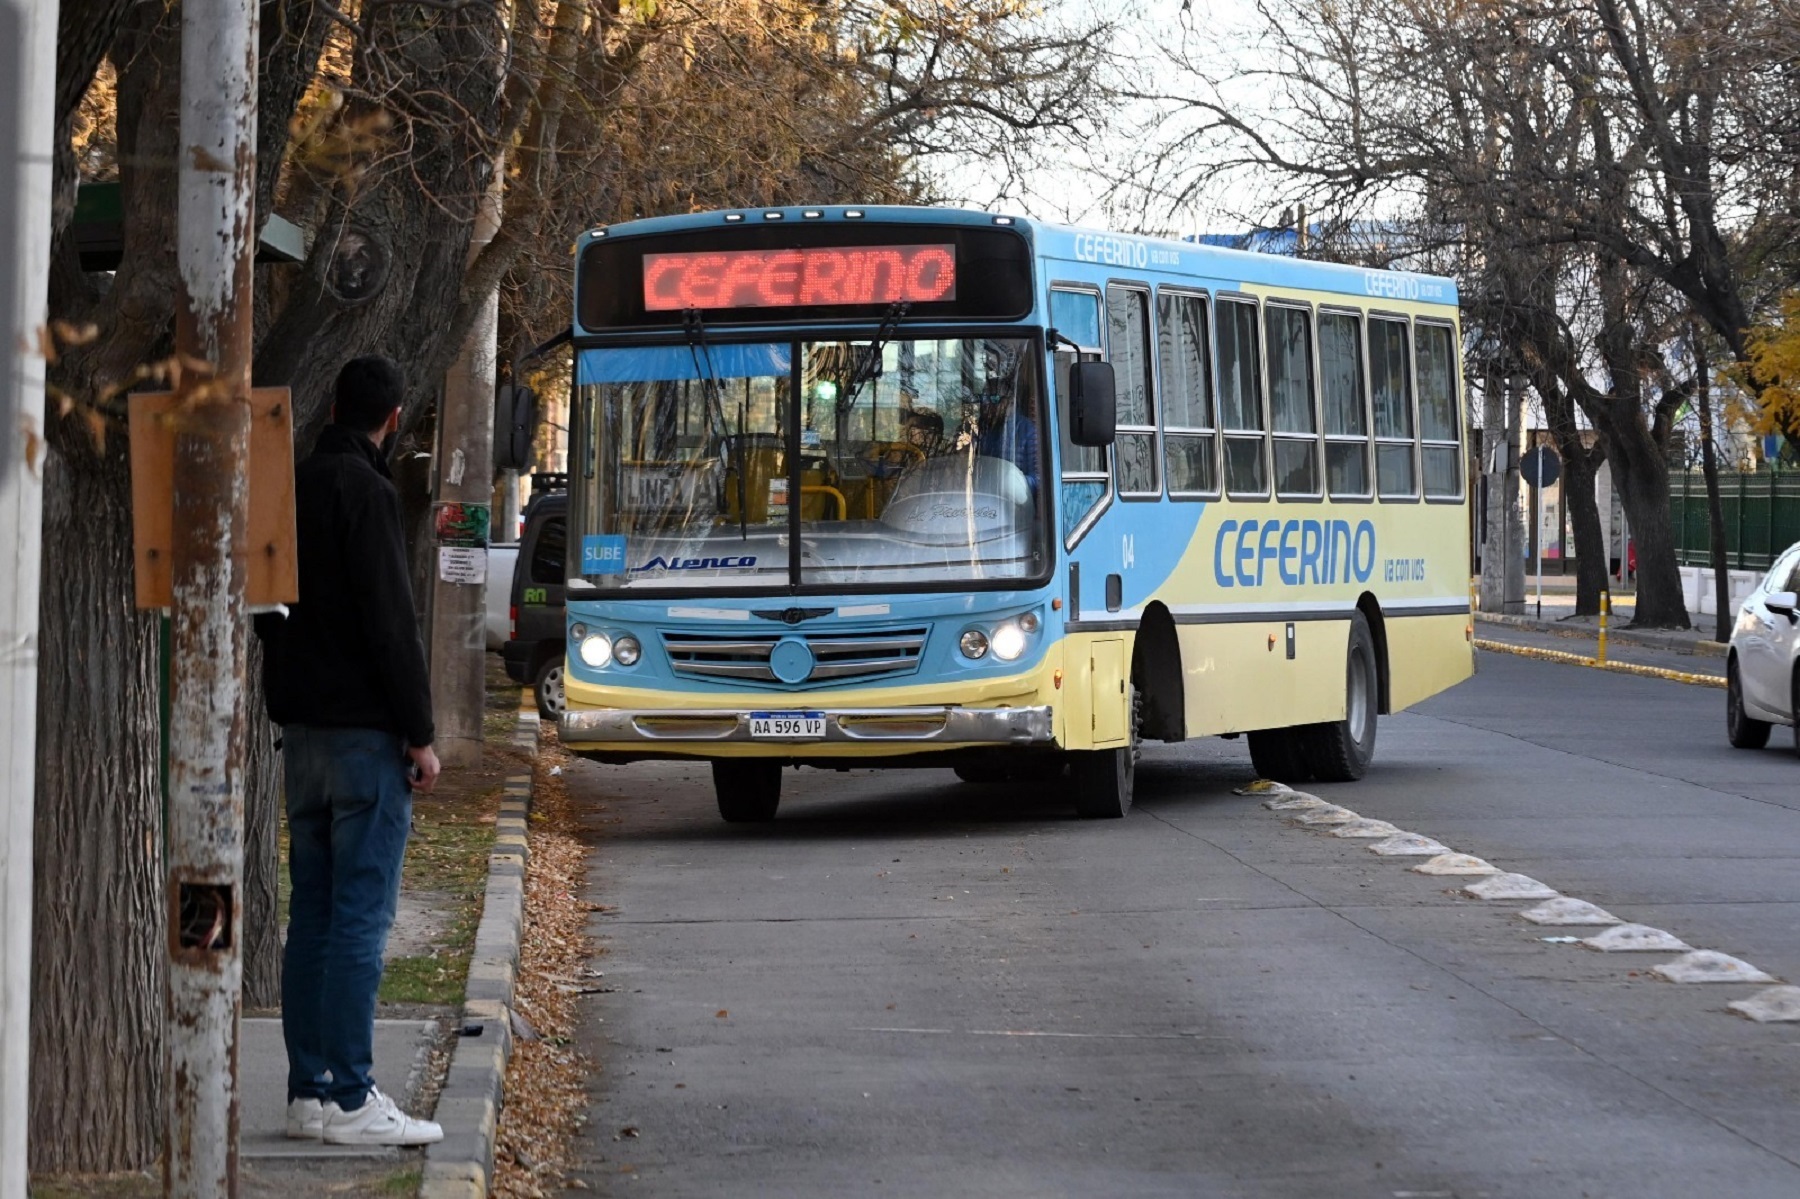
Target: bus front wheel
point(1340, 751)
point(1103, 780)
point(748, 789)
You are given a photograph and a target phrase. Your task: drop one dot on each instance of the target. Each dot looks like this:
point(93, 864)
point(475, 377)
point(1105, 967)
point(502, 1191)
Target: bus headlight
point(974, 644)
point(627, 651)
point(596, 649)
point(1029, 622)
point(577, 632)
point(1009, 641)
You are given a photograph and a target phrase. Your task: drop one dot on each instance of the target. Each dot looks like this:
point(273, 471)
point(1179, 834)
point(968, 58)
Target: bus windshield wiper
point(695, 326)
point(870, 367)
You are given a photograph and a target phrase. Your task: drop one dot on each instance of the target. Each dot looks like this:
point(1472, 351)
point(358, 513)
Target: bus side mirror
point(1093, 403)
point(515, 424)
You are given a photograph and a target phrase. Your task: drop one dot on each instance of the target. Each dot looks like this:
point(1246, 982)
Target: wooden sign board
point(272, 574)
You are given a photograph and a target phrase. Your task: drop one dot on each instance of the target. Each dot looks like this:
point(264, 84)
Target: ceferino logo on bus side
point(1394, 285)
point(1122, 251)
point(1303, 551)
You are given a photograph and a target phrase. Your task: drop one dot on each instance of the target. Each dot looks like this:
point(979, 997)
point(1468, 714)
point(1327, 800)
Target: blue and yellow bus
point(925, 487)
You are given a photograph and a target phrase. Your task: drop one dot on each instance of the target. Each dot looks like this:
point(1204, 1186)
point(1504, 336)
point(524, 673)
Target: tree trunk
point(1644, 492)
point(1580, 466)
point(97, 957)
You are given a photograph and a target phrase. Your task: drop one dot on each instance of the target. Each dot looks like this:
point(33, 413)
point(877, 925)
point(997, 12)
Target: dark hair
point(368, 391)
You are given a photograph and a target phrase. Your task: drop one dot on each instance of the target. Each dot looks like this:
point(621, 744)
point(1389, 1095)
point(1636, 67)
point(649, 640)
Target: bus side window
point(1346, 412)
point(1128, 343)
point(1240, 399)
point(1185, 359)
point(1390, 382)
point(1289, 341)
point(1440, 421)
point(1076, 315)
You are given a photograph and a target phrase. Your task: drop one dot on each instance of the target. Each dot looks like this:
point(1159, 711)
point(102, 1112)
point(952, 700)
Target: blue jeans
point(349, 808)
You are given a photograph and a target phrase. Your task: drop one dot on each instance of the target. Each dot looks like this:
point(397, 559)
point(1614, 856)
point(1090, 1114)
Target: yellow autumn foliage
point(1771, 376)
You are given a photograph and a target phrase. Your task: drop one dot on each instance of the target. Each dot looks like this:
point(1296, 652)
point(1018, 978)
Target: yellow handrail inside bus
point(843, 505)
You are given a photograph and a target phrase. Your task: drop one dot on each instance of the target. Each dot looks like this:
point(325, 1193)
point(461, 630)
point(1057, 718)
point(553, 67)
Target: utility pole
point(215, 241)
point(462, 517)
point(27, 116)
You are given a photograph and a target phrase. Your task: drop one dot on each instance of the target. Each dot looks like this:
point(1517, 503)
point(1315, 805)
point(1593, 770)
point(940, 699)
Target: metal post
point(1605, 613)
point(1537, 520)
point(215, 239)
point(27, 105)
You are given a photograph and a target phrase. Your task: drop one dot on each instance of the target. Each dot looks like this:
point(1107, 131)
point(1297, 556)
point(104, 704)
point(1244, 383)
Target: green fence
point(1762, 517)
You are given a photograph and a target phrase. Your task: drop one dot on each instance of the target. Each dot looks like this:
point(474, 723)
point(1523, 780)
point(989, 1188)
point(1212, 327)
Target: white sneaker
point(305, 1119)
point(377, 1122)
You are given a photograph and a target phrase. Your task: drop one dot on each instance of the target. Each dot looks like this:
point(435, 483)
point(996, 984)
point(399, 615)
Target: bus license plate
point(787, 726)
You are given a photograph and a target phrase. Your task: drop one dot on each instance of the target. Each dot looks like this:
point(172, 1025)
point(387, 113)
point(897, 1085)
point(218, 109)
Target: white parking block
point(1294, 801)
point(1775, 1005)
point(1636, 938)
point(1329, 814)
point(1362, 826)
point(1566, 910)
point(1510, 886)
point(1409, 845)
point(1454, 864)
point(1709, 966)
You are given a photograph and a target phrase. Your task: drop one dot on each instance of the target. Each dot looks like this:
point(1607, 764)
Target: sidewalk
point(1687, 652)
point(402, 1052)
point(1559, 620)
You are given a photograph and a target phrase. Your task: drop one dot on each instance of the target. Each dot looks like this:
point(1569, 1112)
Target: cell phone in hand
point(413, 772)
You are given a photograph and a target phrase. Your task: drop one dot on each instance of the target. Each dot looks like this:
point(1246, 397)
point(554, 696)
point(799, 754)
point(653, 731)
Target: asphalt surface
point(911, 986)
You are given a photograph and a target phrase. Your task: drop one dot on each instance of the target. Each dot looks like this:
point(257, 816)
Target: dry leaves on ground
point(545, 1080)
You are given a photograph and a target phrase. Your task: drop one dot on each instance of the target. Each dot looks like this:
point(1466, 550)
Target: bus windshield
point(904, 462)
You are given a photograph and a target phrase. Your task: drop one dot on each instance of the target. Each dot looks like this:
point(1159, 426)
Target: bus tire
point(748, 789)
point(1279, 755)
point(1339, 751)
point(1741, 729)
point(1103, 780)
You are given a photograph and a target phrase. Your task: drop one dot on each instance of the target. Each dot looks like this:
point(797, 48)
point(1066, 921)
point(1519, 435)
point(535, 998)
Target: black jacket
point(348, 655)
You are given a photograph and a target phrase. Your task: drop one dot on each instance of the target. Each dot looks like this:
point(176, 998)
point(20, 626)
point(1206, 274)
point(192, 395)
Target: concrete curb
point(461, 1166)
point(1643, 640)
point(1551, 655)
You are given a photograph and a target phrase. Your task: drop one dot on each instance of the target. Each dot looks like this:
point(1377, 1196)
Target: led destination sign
point(795, 278)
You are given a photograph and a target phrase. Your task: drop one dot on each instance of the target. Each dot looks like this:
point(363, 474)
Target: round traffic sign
point(1540, 466)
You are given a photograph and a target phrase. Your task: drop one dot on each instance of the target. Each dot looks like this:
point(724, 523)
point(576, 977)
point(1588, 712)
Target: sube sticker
point(603, 554)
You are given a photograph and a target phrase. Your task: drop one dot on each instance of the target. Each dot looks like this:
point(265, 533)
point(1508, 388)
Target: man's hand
point(425, 769)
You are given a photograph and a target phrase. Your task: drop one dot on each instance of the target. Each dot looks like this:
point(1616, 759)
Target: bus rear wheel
point(1103, 781)
point(1279, 754)
point(748, 789)
point(1339, 751)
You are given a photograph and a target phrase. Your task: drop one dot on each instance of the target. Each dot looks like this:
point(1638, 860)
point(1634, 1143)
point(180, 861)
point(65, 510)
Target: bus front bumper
point(897, 727)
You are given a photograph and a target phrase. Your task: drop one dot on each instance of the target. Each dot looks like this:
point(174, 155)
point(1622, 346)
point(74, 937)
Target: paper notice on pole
point(462, 564)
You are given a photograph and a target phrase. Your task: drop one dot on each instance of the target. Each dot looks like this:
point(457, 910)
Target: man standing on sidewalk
point(347, 683)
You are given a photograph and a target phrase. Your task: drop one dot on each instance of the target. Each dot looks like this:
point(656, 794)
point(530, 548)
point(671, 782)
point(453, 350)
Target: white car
point(1763, 671)
point(501, 556)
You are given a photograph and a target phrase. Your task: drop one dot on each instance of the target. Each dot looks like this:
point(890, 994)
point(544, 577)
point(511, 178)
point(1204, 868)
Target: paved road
point(909, 986)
